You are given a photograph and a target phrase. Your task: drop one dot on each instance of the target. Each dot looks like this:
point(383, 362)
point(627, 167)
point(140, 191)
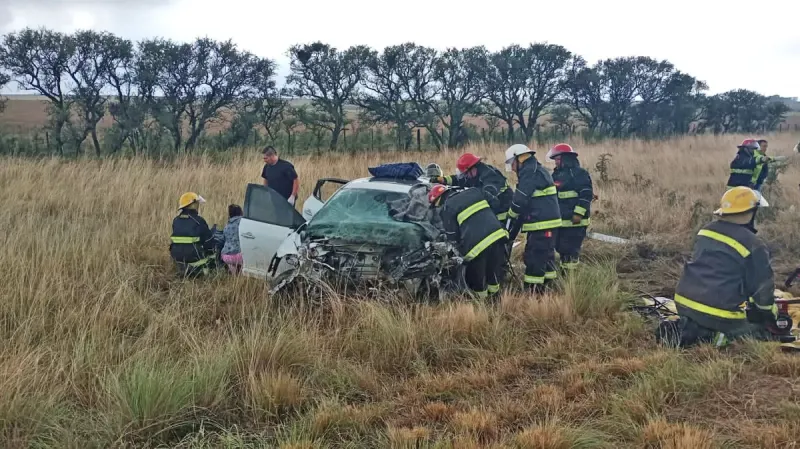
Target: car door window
point(326, 187)
point(265, 205)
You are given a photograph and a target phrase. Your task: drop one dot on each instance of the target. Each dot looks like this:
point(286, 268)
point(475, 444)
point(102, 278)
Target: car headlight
point(292, 260)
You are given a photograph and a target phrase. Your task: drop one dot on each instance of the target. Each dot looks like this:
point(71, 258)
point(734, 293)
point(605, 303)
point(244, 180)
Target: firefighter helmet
point(739, 200)
point(514, 151)
point(189, 199)
point(750, 144)
point(436, 192)
point(561, 148)
point(467, 161)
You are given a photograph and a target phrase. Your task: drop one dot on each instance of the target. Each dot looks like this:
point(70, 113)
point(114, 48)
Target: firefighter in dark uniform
point(748, 167)
point(575, 195)
point(468, 220)
point(534, 211)
point(192, 246)
point(473, 172)
point(726, 291)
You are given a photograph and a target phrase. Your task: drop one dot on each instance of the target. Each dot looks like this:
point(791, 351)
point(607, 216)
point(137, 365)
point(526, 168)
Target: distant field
point(27, 112)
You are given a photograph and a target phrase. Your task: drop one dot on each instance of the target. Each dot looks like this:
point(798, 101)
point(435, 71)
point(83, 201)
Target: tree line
point(165, 94)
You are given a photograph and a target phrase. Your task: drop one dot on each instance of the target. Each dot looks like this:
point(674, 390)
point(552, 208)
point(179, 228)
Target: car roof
point(386, 184)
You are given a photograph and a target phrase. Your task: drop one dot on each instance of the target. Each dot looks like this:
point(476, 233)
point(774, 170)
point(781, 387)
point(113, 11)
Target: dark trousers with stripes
point(540, 257)
point(484, 274)
point(568, 245)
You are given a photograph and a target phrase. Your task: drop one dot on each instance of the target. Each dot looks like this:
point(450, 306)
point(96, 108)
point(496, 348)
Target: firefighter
point(575, 195)
point(747, 166)
point(534, 210)
point(730, 268)
point(192, 244)
point(473, 172)
point(468, 219)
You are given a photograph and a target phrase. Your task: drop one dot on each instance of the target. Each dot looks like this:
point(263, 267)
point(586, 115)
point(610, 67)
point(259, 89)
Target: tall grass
point(103, 347)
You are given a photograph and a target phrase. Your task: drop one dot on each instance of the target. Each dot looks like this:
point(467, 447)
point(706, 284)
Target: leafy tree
point(4, 79)
point(507, 79)
point(329, 78)
point(561, 118)
point(383, 99)
point(459, 74)
point(547, 68)
point(38, 61)
point(198, 82)
point(129, 107)
point(415, 75)
point(95, 56)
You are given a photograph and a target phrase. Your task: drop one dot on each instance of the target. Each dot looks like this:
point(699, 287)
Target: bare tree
point(4, 79)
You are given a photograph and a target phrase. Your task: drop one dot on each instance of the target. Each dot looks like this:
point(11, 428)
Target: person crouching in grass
point(232, 251)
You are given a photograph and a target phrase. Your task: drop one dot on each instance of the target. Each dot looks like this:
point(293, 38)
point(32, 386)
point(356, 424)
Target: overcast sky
point(754, 46)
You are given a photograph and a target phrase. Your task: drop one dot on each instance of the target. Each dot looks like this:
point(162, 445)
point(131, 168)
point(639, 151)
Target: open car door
point(324, 189)
point(268, 219)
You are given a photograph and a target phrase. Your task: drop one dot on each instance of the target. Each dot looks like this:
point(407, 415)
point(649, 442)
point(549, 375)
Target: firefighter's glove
point(576, 219)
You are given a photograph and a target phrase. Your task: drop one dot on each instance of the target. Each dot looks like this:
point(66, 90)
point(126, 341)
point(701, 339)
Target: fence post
point(419, 142)
point(371, 139)
point(47, 139)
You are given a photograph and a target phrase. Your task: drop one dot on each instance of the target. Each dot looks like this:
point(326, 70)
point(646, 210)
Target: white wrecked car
point(349, 240)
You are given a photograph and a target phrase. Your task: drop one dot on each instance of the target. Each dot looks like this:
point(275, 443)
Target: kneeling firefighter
point(534, 211)
point(468, 220)
point(726, 291)
point(575, 195)
point(473, 172)
point(192, 246)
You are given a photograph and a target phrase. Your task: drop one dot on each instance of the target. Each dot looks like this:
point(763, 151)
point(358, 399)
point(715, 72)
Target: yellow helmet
point(739, 200)
point(189, 198)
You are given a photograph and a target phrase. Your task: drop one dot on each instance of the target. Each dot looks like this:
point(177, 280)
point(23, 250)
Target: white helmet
point(513, 151)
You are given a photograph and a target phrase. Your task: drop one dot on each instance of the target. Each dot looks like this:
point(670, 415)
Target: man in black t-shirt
point(280, 175)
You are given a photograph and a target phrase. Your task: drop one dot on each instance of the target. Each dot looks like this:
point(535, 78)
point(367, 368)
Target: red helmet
point(436, 192)
point(750, 144)
point(466, 161)
point(561, 148)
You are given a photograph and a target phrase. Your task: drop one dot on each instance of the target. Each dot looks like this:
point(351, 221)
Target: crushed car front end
point(353, 244)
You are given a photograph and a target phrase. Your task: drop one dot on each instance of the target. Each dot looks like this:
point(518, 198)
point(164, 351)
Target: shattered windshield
point(362, 216)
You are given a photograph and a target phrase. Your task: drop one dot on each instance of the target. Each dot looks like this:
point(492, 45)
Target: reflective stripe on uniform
point(185, 240)
point(481, 294)
point(534, 279)
point(741, 171)
point(570, 224)
point(512, 214)
point(708, 310)
point(744, 252)
point(199, 263)
point(483, 244)
point(447, 180)
point(493, 288)
point(468, 212)
point(567, 195)
point(541, 225)
point(546, 192)
point(580, 210)
point(503, 216)
point(551, 275)
point(569, 265)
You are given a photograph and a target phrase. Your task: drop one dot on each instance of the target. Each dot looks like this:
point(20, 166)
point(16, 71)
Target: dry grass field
point(102, 347)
